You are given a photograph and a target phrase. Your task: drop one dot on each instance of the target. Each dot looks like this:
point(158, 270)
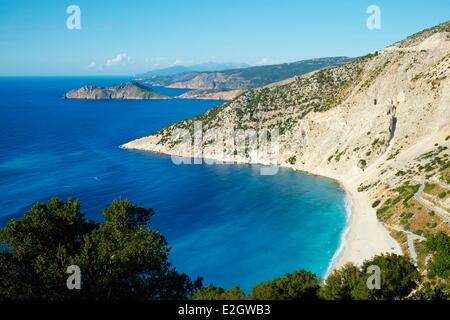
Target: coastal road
point(443, 185)
point(411, 248)
point(411, 237)
point(427, 204)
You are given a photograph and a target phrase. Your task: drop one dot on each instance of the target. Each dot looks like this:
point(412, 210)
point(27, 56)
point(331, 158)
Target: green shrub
point(429, 187)
point(346, 283)
point(301, 285)
point(120, 257)
point(362, 164)
point(292, 160)
point(400, 173)
point(438, 246)
point(376, 203)
point(399, 277)
point(214, 293)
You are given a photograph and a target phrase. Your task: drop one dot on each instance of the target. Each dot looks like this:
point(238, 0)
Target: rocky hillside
point(380, 125)
point(244, 78)
point(128, 90)
point(211, 94)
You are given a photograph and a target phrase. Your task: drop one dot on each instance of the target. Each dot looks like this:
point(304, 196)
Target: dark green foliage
point(376, 203)
point(429, 187)
point(214, 293)
point(292, 160)
point(347, 283)
point(399, 277)
point(340, 154)
point(37, 249)
point(120, 258)
point(407, 191)
point(439, 246)
point(405, 217)
point(400, 173)
point(394, 155)
point(362, 164)
point(301, 285)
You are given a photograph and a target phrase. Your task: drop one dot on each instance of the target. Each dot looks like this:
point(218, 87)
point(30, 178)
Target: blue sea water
point(226, 223)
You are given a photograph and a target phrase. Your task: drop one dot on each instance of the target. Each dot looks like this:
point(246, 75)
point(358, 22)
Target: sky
point(119, 37)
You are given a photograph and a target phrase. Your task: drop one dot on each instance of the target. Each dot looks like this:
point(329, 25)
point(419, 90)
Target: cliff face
point(127, 90)
point(380, 125)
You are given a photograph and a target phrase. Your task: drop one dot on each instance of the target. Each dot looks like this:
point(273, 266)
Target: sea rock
point(128, 90)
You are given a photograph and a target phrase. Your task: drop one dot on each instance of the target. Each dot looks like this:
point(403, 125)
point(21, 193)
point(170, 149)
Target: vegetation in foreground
point(120, 258)
point(123, 258)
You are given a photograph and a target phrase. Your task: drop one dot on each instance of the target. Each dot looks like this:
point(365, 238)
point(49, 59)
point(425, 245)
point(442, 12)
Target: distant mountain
point(221, 85)
point(217, 66)
point(128, 90)
point(242, 78)
point(205, 67)
point(171, 71)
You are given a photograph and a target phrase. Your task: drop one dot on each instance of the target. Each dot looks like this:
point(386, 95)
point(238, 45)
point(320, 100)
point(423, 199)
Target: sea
point(226, 223)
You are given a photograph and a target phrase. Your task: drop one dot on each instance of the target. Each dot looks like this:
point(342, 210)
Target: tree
point(399, 277)
point(35, 251)
point(120, 258)
point(347, 283)
point(301, 285)
point(439, 246)
point(214, 293)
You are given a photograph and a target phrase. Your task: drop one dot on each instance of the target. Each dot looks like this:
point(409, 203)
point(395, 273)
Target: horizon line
point(142, 72)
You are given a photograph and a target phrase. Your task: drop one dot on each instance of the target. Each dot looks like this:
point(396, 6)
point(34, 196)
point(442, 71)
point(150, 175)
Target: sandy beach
point(373, 137)
point(364, 236)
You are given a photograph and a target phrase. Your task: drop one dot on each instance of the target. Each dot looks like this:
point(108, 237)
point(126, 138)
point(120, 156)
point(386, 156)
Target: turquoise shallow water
point(226, 223)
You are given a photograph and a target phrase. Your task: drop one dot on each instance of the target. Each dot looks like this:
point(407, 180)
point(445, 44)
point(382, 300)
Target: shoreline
point(363, 236)
point(334, 262)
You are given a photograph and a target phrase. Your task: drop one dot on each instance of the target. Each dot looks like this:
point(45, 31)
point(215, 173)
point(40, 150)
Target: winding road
point(427, 204)
point(411, 238)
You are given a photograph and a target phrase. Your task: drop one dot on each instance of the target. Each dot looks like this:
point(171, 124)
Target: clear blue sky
point(150, 34)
